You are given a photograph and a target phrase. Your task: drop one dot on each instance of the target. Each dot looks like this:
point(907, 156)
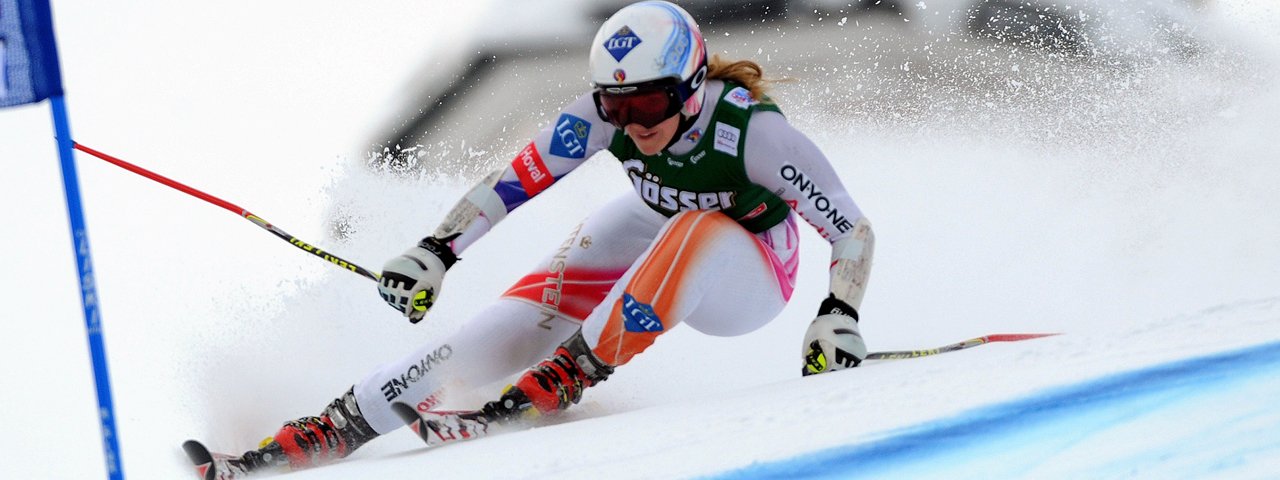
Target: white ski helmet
point(651, 44)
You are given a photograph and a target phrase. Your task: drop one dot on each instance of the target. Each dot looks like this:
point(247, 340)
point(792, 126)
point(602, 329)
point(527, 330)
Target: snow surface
point(1130, 206)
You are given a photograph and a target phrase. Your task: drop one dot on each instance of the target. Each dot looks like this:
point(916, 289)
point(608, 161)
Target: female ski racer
point(709, 239)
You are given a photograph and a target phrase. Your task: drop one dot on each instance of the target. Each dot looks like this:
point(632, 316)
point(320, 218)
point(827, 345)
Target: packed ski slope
point(1130, 207)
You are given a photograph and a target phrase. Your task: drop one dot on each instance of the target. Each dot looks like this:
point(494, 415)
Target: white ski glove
point(411, 281)
point(833, 341)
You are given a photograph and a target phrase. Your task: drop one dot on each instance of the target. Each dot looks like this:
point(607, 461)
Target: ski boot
point(311, 441)
point(549, 387)
point(302, 443)
point(557, 382)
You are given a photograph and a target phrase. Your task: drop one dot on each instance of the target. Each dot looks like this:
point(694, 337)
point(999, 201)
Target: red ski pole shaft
point(259, 221)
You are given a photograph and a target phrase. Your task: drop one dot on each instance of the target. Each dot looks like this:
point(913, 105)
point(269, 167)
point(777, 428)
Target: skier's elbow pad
point(851, 263)
point(486, 198)
point(482, 201)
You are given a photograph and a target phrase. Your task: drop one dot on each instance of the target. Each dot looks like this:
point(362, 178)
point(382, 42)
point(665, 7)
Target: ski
point(220, 466)
point(970, 343)
point(200, 458)
point(437, 428)
point(212, 466)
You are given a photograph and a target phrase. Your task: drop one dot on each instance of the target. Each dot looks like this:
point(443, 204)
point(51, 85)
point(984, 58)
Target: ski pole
point(259, 221)
point(972, 342)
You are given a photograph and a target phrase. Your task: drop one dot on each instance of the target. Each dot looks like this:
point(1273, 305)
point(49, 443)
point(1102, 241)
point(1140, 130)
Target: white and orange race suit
point(709, 239)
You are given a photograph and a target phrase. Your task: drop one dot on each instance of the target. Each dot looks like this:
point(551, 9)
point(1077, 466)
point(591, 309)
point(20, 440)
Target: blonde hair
point(744, 72)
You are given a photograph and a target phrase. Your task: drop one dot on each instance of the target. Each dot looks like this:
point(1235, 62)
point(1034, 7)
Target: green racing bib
point(712, 176)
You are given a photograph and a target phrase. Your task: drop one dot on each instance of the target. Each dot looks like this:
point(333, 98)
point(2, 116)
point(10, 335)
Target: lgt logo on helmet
point(621, 43)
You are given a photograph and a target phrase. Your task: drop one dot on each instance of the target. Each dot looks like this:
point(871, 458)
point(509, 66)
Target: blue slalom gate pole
point(30, 73)
point(88, 288)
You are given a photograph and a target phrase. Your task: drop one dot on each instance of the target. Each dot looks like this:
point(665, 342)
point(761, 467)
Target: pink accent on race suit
point(533, 173)
point(575, 294)
point(785, 272)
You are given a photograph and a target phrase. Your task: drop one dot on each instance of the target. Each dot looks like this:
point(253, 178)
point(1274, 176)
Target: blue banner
point(28, 55)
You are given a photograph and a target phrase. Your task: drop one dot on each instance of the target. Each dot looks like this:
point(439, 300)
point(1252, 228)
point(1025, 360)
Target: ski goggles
point(645, 106)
